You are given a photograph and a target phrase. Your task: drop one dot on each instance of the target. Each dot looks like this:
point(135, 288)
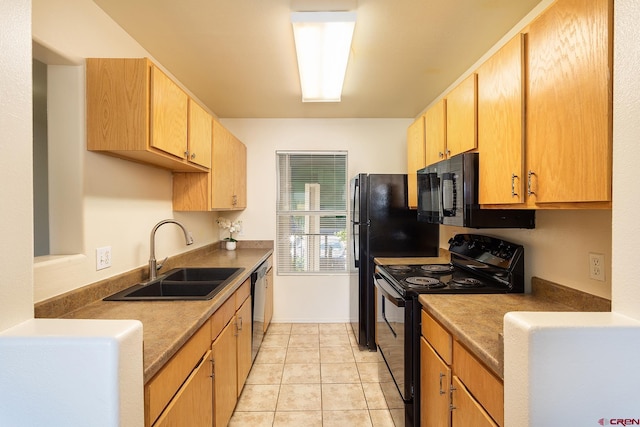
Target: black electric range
point(479, 265)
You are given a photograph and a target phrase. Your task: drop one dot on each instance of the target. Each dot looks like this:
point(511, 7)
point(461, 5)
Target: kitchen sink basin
point(180, 284)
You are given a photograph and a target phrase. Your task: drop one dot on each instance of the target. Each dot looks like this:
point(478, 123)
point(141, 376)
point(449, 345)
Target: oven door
point(393, 317)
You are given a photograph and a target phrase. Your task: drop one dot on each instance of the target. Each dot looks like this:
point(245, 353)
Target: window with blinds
point(312, 212)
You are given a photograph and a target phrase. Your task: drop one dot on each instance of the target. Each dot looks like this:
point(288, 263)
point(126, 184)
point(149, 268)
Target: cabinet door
point(225, 390)
point(243, 345)
point(268, 300)
point(462, 109)
point(222, 179)
point(200, 135)
point(435, 132)
point(415, 158)
point(569, 142)
point(168, 115)
point(192, 405)
point(435, 380)
point(466, 411)
point(239, 198)
point(500, 126)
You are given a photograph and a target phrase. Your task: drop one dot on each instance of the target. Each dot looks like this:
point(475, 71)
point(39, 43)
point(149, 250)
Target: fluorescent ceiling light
point(323, 42)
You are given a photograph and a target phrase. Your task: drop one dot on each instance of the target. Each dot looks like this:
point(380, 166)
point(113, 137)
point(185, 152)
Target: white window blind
point(311, 212)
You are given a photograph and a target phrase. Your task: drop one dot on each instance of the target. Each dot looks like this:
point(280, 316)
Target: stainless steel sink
point(180, 284)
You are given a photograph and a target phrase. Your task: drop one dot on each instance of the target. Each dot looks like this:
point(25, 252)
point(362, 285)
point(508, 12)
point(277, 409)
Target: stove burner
point(468, 282)
point(437, 268)
point(398, 268)
point(424, 282)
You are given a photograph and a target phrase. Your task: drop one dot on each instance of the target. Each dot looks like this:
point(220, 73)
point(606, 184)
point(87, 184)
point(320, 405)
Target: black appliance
point(382, 226)
point(258, 298)
point(448, 194)
point(479, 264)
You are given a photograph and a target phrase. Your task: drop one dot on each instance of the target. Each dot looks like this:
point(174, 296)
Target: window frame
point(316, 259)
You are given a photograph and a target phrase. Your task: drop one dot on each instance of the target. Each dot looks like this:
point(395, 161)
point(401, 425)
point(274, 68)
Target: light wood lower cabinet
point(243, 343)
point(268, 300)
point(466, 410)
point(435, 378)
point(455, 388)
point(201, 383)
point(192, 405)
point(161, 389)
point(225, 389)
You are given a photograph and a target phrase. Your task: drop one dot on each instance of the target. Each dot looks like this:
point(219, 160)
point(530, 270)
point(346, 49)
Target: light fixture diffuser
point(323, 42)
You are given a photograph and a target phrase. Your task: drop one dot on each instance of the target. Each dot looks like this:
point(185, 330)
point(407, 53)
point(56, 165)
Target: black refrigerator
point(382, 225)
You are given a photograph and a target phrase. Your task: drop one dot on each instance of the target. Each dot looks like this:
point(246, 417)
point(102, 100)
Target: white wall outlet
point(103, 257)
point(596, 266)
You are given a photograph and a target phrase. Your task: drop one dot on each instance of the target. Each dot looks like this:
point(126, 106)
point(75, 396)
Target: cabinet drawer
point(485, 387)
point(438, 337)
point(161, 388)
point(222, 316)
point(243, 293)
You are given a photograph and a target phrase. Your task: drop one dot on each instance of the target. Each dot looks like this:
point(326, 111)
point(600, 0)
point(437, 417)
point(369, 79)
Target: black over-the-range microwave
point(448, 194)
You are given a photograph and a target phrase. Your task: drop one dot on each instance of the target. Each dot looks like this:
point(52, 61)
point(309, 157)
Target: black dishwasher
point(258, 296)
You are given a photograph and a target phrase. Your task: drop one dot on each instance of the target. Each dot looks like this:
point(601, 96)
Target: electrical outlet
point(596, 266)
point(103, 257)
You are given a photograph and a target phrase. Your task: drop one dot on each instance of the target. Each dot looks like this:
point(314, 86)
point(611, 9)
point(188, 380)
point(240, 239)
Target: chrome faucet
point(153, 267)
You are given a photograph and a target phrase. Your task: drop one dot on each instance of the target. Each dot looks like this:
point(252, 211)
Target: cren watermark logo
point(619, 421)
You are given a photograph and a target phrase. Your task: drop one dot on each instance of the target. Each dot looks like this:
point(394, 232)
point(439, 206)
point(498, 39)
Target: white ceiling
point(238, 57)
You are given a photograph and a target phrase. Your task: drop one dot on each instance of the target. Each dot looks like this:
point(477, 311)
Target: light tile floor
point(315, 375)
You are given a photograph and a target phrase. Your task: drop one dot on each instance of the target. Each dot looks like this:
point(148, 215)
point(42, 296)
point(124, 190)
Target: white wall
point(120, 200)
point(373, 145)
point(16, 244)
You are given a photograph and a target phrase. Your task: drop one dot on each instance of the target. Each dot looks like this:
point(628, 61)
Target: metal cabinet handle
point(448, 152)
point(440, 154)
point(193, 156)
point(513, 185)
point(234, 200)
point(186, 154)
point(529, 175)
point(441, 390)
point(451, 390)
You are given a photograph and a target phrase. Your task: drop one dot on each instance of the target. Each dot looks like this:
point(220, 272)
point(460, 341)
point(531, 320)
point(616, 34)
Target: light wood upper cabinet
point(436, 132)
point(134, 111)
point(229, 174)
point(462, 111)
point(169, 110)
point(200, 135)
point(569, 106)
point(415, 158)
point(224, 187)
point(501, 126)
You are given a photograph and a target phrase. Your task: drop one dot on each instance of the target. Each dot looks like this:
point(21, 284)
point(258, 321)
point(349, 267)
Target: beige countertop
point(476, 320)
point(167, 325)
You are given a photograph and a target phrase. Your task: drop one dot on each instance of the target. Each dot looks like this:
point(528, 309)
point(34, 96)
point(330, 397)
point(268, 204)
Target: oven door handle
point(391, 294)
